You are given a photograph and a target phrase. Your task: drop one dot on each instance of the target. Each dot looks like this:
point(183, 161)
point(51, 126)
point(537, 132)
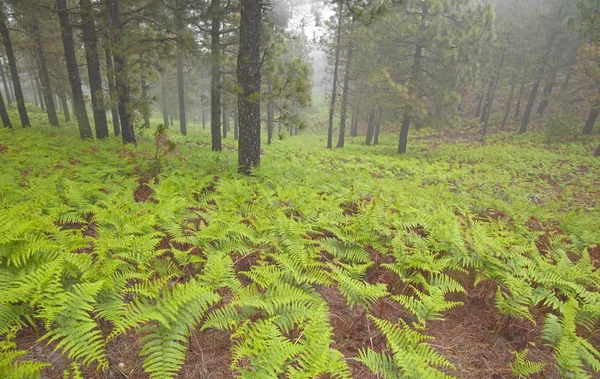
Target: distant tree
point(12, 64)
point(73, 69)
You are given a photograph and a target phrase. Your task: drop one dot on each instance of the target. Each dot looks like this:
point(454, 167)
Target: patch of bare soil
point(208, 356)
point(143, 193)
point(3, 149)
point(479, 341)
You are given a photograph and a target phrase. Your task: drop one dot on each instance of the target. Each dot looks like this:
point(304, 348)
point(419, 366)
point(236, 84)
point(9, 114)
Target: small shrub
point(560, 128)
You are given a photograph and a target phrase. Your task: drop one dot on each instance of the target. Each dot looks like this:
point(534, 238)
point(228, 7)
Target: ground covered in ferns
point(461, 259)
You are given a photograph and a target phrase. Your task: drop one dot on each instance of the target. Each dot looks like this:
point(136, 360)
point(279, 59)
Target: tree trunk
point(565, 85)
point(377, 127)
point(488, 98)
point(215, 86)
point(112, 92)
point(269, 122)
point(479, 103)
point(4, 114)
point(335, 75)
point(146, 104)
point(48, 99)
point(345, 96)
point(353, 124)
point(78, 101)
point(589, 124)
point(597, 153)
point(12, 65)
point(403, 139)
point(513, 80)
point(370, 128)
point(122, 87)
point(34, 90)
point(546, 94)
point(65, 105)
point(291, 129)
point(5, 82)
point(225, 122)
point(40, 93)
point(203, 117)
point(163, 101)
point(531, 101)
point(93, 65)
point(248, 73)
point(236, 129)
point(518, 108)
point(181, 95)
point(490, 101)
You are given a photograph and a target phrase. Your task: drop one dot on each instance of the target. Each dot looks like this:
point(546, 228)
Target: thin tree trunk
point(48, 99)
point(377, 127)
point(93, 65)
point(203, 117)
point(546, 94)
point(34, 91)
point(488, 98)
point(597, 152)
point(513, 82)
point(146, 104)
point(181, 95)
point(520, 97)
point(353, 121)
point(370, 128)
point(236, 128)
point(269, 121)
point(74, 79)
point(591, 120)
point(65, 105)
point(531, 101)
point(122, 87)
point(5, 82)
point(112, 92)
point(4, 114)
point(403, 138)
point(479, 103)
point(335, 75)
point(248, 73)
point(163, 101)
point(225, 122)
point(345, 96)
point(40, 93)
point(215, 87)
point(291, 129)
point(12, 65)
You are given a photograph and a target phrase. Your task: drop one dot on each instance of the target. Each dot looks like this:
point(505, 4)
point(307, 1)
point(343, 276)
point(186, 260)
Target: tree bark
point(122, 87)
point(40, 93)
point(597, 152)
point(370, 128)
point(513, 83)
point(215, 86)
point(5, 82)
point(112, 92)
point(345, 96)
point(181, 95)
point(248, 73)
point(353, 124)
point(93, 66)
point(65, 105)
point(4, 114)
point(488, 98)
point(74, 79)
point(12, 65)
point(591, 120)
point(335, 75)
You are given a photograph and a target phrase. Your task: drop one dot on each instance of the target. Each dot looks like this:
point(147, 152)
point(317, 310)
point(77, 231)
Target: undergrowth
point(96, 243)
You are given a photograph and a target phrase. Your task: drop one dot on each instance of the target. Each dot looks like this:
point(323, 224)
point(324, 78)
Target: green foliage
point(12, 366)
point(560, 128)
point(271, 258)
point(522, 368)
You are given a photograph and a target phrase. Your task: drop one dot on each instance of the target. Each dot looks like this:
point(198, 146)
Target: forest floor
point(452, 202)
